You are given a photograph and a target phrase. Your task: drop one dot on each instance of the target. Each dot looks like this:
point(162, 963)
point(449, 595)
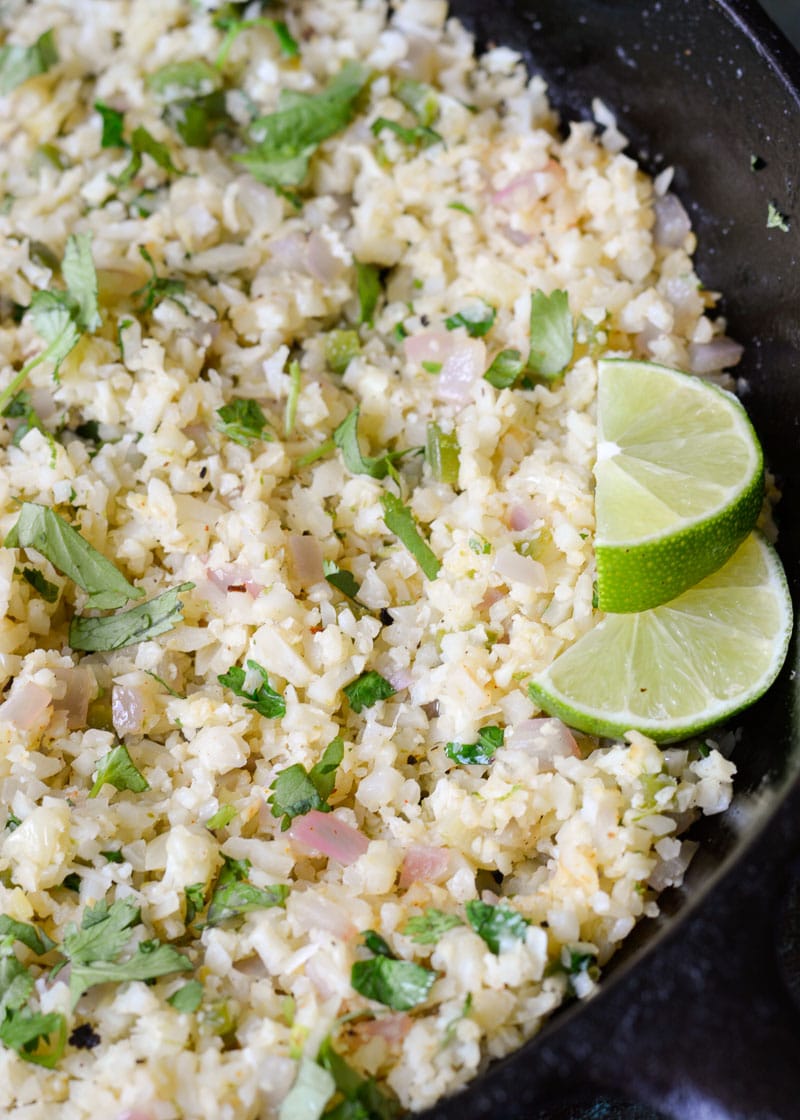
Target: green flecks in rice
point(211, 285)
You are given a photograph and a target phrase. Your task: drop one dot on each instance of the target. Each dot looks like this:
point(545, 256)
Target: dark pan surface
point(693, 1016)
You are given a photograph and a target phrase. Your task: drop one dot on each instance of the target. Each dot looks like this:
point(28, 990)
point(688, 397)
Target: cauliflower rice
point(238, 297)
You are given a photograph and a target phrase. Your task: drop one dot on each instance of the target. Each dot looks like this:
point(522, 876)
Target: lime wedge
point(680, 482)
point(682, 667)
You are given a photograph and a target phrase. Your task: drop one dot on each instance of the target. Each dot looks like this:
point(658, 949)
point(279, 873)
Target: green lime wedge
point(679, 482)
point(680, 668)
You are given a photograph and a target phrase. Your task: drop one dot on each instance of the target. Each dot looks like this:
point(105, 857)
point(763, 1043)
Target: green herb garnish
point(243, 422)
point(340, 349)
point(290, 415)
point(442, 453)
point(505, 369)
point(427, 928)
point(262, 699)
point(552, 335)
point(398, 984)
point(480, 753)
point(223, 816)
point(188, 998)
point(368, 287)
point(775, 219)
point(342, 580)
point(420, 136)
point(498, 926)
point(297, 791)
point(117, 769)
point(400, 521)
point(477, 318)
point(367, 690)
point(138, 624)
point(18, 64)
point(157, 287)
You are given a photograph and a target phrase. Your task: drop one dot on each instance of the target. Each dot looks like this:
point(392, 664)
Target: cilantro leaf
point(54, 320)
point(297, 791)
point(443, 454)
point(151, 960)
point(40, 528)
point(263, 699)
point(117, 769)
point(505, 369)
point(113, 126)
point(499, 926)
point(478, 319)
point(368, 287)
point(420, 136)
point(80, 276)
point(25, 1031)
point(377, 944)
point(157, 287)
point(400, 521)
point(195, 895)
point(287, 139)
point(104, 931)
point(552, 334)
point(143, 143)
point(345, 438)
point(223, 816)
point(113, 855)
point(237, 897)
point(243, 422)
point(177, 79)
point(17, 63)
point(234, 27)
point(138, 624)
point(398, 984)
point(367, 690)
point(427, 928)
point(312, 1089)
point(48, 591)
point(197, 120)
point(480, 753)
point(420, 98)
point(188, 998)
point(16, 982)
point(363, 1099)
point(36, 940)
point(342, 580)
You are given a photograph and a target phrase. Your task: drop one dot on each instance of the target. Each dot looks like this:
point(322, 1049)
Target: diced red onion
point(672, 224)
point(492, 595)
point(391, 1028)
point(127, 709)
point(400, 679)
point(519, 518)
point(545, 740)
point(253, 589)
point(325, 833)
point(516, 236)
point(711, 357)
point(306, 553)
point(290, 251)
point(322, 264)
point(429, 346)
point(26, 706)
point(424, 864)
point(670, 872)
point(231, 577)
point(318, 971)
point(461, 369)
point(514, 567)
point(528, 188)
point(313, 911)
point(78, 685)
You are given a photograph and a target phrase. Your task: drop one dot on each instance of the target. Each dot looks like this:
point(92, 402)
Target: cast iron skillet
point(694, 1017)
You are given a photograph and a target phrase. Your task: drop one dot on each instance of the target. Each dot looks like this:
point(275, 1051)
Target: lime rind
point(679, 669)
point(710, 459)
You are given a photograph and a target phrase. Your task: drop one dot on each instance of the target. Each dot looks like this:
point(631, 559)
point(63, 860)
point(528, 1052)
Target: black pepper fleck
point(84, 1037)
point(385, 617)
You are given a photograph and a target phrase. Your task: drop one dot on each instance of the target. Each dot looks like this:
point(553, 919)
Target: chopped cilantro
point(34, 939)
point(552, 335)
point(143, 143)
point(40, 528)
point(297, 791)
point(480, 546)
point(157, 287)
point(113, 126)
point(18, 64)
point(138, 624)
point(342, 580)
point(420, 98)
point(461, 207)
point(505, 369)
point(477, 318)
point(396, 983)
point(262, 699)
point(290, 414)
point(285, 141)
point(340, 349)
point(420, 136)
point(363, 1100)
point(188, 998)
point(48, 591)
point(345, 437)
point(243, 422)
point(180, 79)
point(427, 928)
point(480, 753)
point(499, 926)
point(400, 521)
point(195, 895)
point(234, 27)
point(312, 1089)
point(25, 1032)
point(113, 855)
point(367, 690)
point(233, 897)
point(12, 822)
point(432, 367)
point(117, 769)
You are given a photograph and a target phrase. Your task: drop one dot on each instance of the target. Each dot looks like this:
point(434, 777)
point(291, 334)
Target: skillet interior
point(701, 85)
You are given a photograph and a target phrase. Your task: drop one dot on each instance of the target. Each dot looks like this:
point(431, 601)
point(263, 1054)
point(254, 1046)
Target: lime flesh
point(679, 482)
point(683, 667)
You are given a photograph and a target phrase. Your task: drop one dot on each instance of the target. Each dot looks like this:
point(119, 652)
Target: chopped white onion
point(543, 739)
point(306, 553)
point(26, 706)
point(429, 346)
point(78, 687)
point(670, 872)
point(127, 709)
point(325, 833)
point(672, 225)
point(528, 188)
point(515, 568)
point(310, 910)
point(322, 264)
point(711, 357)
point(391, 1028)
